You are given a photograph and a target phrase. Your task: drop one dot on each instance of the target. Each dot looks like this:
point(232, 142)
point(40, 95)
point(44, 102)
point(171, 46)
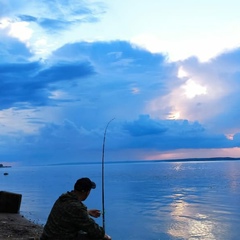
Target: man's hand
point(107, 237)
point(94, 213)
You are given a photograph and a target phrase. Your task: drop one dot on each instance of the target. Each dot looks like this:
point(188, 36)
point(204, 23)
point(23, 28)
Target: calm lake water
point(143, 201)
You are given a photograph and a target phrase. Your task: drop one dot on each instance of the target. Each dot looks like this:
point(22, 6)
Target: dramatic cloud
point(30, 83)
point(60, 85)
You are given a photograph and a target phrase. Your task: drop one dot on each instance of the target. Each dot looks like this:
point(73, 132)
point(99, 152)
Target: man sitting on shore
point(69, 218)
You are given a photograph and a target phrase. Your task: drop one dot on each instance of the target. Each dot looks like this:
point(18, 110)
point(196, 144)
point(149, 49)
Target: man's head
point(84, 185)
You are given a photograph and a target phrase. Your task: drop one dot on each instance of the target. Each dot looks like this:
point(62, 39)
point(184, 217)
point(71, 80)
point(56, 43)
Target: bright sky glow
point(4, 23)
point(21, 31)
point(192, 89)
point(182, 73)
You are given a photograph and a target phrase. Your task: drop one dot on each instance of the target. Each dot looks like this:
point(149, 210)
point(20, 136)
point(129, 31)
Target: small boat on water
point(5, 174)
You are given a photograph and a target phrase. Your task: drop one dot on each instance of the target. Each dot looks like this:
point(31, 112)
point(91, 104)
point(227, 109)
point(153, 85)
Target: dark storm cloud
point(144, 126)
point(169, 135)
point(116, 55)
point(29, 83)
point(69, 140)
point(12, 50)
point(65, 71)
point(27, 18)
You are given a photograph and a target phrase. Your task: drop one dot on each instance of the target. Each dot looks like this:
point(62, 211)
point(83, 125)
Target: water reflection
point(189, 222)
point(234, 177)
point(177, 166)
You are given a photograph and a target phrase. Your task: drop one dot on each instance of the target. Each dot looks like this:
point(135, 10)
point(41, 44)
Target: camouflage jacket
point(69, 216)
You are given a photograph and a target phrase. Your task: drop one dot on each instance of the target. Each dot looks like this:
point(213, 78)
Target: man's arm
point(97, 213)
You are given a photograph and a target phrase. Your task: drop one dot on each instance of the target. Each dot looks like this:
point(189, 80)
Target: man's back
point(69, 216)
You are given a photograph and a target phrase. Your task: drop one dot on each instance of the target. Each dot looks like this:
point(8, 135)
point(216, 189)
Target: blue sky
point(167, 71)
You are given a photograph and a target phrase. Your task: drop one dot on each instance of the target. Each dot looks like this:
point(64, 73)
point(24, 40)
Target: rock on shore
point(16, 227)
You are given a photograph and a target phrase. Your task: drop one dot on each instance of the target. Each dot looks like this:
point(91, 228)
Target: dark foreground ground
point(15, 226)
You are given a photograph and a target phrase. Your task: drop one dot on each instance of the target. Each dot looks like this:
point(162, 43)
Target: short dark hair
point(84, 185)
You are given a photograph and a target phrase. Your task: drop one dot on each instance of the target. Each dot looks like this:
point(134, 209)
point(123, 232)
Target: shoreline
point(15, 226)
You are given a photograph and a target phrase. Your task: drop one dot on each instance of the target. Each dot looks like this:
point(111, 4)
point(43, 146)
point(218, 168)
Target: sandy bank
point(15, 226)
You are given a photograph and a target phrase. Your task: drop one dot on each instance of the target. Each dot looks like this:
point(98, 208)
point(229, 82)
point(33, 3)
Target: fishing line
point(103, 197)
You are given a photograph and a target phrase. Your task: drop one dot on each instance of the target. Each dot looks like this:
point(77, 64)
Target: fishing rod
point(103, 198)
